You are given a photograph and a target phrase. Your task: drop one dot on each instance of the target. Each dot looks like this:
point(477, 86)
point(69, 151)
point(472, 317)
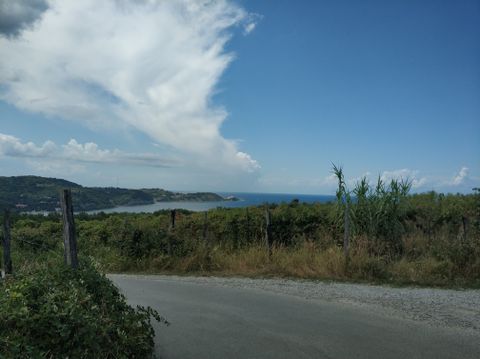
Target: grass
point(307, 261)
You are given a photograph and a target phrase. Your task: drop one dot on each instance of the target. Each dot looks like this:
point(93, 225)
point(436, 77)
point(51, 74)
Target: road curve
point(216, 321)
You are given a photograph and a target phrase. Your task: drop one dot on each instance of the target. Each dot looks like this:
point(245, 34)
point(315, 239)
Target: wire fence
point(41, 246)
point(69, 236)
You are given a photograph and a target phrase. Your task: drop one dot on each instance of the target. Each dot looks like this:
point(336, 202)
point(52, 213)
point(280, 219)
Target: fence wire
point(42, 246)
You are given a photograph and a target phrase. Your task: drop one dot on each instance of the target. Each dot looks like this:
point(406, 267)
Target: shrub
point(57, 312)
point(37, 236)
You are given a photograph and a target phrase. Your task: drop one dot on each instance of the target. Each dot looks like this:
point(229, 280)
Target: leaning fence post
point(173, 214)
point(69, 239)
point(465, 225)
point(268, 231)
point(205, 226)
point(7, 260)
point(346, 234)
point(247, 231)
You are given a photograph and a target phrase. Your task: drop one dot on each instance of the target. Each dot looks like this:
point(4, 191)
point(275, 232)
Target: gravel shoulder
point(441, 308)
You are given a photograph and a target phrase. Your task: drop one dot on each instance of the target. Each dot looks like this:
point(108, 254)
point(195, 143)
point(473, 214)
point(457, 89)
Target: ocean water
point(246, 199)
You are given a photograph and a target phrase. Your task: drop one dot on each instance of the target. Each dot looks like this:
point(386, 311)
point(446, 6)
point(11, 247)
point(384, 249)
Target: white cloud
point(89, 152)
point(280, 181)
point(460, 177)
point(250, 23)
point(405, 174)
point(11, 146)
point(150, 65)
point(330, 180)
point(420, 182)
point(353, 181)
point(249, 163)
point(250, 27)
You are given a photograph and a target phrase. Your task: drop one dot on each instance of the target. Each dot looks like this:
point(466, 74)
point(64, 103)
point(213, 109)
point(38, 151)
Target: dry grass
point(302, 262)
point(306, 262)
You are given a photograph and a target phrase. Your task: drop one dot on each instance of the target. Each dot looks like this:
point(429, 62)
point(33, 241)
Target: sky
point(241, 96)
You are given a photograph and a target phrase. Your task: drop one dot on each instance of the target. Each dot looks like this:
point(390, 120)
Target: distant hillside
point(34, 193)
point(161, 195)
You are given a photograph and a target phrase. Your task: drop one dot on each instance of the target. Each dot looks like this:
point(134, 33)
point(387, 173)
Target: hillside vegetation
point(33, 193)
point(425, 239)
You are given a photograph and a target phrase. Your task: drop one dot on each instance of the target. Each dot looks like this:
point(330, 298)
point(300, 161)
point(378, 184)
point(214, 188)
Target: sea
point(245, 200)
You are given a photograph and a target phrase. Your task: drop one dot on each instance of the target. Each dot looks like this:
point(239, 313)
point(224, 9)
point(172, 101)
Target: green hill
point(34, 193)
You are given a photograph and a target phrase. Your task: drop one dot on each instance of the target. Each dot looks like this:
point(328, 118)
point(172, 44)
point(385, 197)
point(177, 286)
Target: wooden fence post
point(173, 214)
point(346, 234)
point(465, 226)
point(205, 226)
point(268, 231)
point(7, 260)
point(247, 231)
point(69, 236)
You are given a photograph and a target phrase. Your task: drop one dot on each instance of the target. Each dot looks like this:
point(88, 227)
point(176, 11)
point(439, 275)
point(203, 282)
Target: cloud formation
point(251, 23)
point(148, 65)
point(73, 151)
point(405, 174)
point(460, 177)
point(19, 14)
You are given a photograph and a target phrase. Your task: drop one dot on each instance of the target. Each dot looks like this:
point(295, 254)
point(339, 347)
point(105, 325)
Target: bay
point(245, 200)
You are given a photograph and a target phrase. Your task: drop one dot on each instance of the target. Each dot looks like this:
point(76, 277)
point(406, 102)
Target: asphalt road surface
point(210, 321)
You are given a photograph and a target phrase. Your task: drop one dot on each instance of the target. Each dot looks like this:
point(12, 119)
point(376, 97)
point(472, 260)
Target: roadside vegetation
point(422, 239)
point(373, 232)
point(49, 310)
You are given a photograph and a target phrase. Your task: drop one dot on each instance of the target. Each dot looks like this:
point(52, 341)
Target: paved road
point(211, 321)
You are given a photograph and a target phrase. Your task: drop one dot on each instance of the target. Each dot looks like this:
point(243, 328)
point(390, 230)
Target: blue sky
point(243, 96)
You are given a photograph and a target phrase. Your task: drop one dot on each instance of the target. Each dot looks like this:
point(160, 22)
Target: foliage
point(38, 236)
point(390, 231)
point(51, 311)
point(380, 213)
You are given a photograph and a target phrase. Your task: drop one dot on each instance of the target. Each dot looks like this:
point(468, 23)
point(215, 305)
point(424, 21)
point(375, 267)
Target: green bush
point(37, 236)
point(57, 312)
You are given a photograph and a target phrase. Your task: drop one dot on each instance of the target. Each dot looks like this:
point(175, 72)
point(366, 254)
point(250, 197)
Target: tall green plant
point(380, 213)
point(343, 207)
